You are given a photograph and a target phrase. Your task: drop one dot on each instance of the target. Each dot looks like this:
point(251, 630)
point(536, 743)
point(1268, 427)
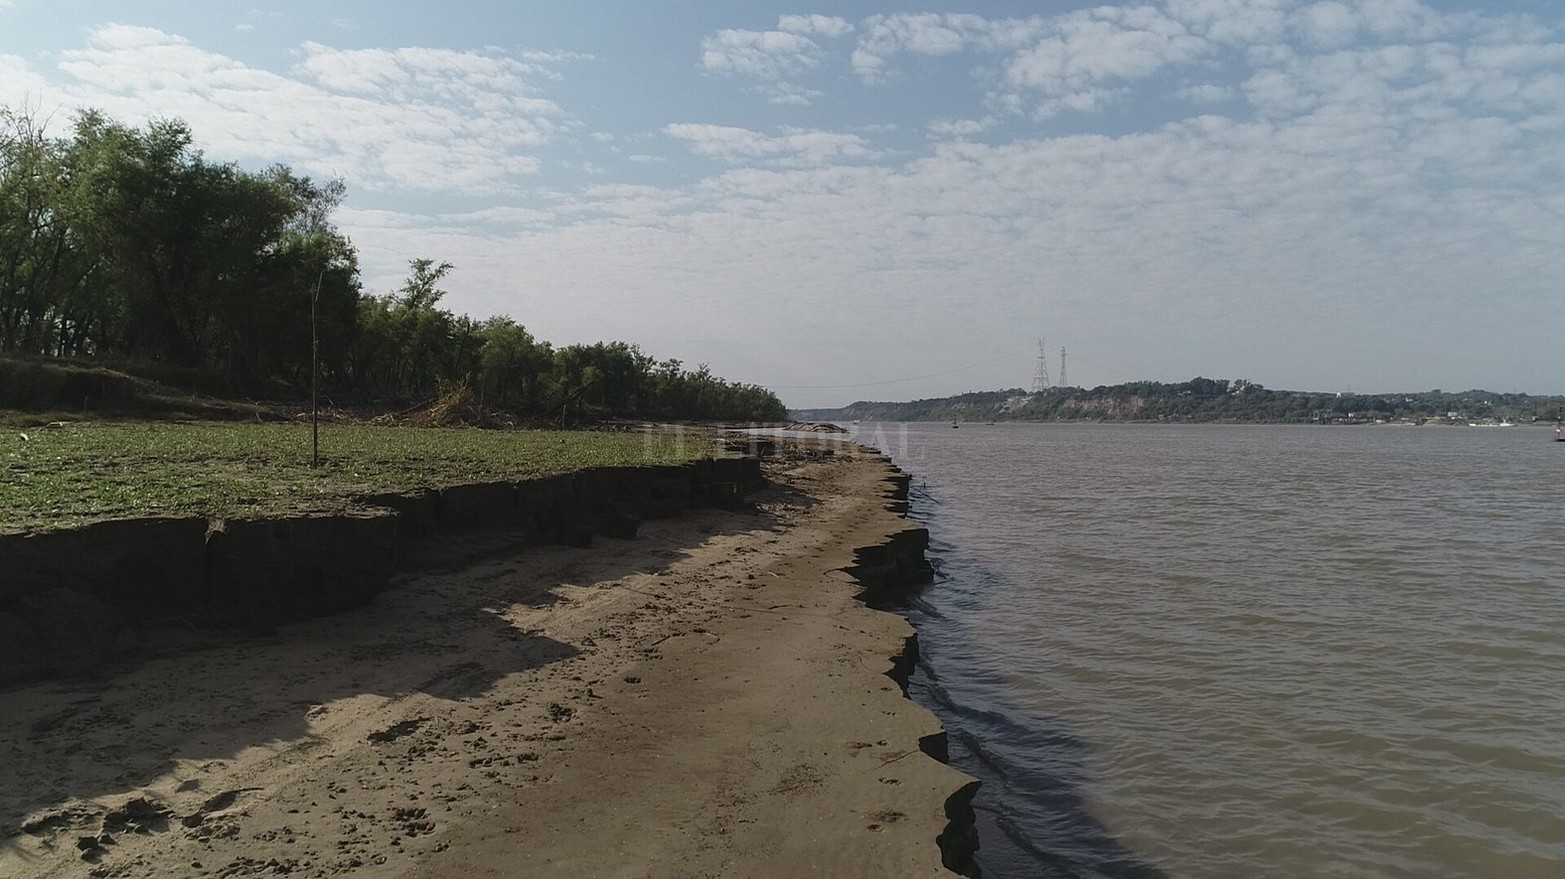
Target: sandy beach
point(708, 699)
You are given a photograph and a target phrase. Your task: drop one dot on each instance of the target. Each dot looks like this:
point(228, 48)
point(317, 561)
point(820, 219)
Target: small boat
point(955, 426)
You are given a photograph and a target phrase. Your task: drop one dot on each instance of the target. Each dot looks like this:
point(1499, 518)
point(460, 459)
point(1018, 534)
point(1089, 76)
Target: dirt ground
point(708, 699)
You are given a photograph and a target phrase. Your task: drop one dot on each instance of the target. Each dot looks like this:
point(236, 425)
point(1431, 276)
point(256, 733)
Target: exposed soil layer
point(67, 595)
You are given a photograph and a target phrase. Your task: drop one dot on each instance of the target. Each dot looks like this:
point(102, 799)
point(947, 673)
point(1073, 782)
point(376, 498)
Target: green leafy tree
point(130, 244)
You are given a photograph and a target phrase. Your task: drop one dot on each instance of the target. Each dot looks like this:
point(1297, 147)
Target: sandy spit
point(706, 700)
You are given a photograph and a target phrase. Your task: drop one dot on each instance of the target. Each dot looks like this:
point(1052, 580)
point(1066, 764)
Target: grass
point(80, 472)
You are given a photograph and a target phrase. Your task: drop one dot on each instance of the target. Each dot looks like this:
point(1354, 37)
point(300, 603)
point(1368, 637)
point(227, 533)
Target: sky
point(846, 201)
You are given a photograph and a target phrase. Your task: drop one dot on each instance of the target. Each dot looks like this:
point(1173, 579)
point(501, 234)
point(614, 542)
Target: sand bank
point(709, 699)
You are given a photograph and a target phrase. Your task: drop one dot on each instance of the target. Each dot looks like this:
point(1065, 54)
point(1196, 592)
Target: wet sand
point(709, 699)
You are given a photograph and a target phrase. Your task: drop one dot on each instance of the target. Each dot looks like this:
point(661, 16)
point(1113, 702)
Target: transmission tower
point(1062, 367)
point(1040, 379)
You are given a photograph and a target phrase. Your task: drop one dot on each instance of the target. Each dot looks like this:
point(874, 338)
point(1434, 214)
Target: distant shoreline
point(1202, 400)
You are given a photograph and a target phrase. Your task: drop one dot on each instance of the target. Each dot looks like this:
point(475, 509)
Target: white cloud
point(1414, 85)
point(788, 94)
point(499, 216)
point(419, 73)
point(1083, 60)
point(19, 84)
point(1073, 61)
point(933, 34)
point(534, 56)
point(960, 127)
point(793, 146)
point(420, 119)
point(1102, 45)
point(823, 25)
point(1233, 21)
point(774, 58)
point(1206, 93)
point(1329, 24)
point(770, 55)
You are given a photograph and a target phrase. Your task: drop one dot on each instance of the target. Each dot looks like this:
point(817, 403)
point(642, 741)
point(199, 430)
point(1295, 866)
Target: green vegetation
point(129, 247)
point(66, 475)
point(1204, 400)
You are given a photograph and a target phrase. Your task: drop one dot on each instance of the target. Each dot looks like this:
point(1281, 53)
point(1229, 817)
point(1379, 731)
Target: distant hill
point(1205, 400)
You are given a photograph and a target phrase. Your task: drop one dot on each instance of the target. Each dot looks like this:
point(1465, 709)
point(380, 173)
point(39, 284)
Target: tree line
point(129, 245)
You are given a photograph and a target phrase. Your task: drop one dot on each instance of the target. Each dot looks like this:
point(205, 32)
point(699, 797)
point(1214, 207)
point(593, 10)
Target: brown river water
point(1231, 651)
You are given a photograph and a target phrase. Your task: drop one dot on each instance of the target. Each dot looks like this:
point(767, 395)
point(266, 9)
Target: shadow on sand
point(441, 630)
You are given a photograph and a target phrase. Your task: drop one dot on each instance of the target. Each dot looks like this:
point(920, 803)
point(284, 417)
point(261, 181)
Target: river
point(1241, 651)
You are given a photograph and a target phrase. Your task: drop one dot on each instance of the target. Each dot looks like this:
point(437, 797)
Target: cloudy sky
point(879, 201)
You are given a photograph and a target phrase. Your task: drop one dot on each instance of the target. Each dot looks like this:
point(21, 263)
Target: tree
point(38, 258)
point(510, 363)
point(405, 343)
point(128, 241)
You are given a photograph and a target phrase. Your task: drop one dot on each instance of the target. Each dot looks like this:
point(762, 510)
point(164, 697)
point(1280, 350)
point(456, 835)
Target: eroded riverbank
point(710, 698)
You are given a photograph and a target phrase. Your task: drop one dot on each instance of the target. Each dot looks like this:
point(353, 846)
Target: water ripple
point(1214, 652)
